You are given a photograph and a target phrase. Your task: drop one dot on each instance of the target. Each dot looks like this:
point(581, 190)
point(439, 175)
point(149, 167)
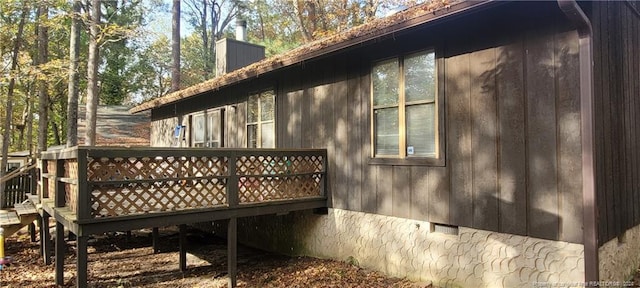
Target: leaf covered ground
point(119, 261)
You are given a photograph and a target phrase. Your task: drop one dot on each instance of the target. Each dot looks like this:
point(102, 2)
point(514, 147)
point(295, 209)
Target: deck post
point(232, 251)
point(32, 231)
point(232, 185)
point(155, 235)
point(183, 248)
point(60, 247)
point(325, 176)
point(81, 262)
point(45, 238)
point(83, 200)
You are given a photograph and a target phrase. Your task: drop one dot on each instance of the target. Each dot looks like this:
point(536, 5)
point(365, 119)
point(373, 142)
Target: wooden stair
point(16, 218)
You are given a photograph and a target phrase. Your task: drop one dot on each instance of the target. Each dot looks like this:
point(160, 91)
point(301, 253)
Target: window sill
point(414, 161)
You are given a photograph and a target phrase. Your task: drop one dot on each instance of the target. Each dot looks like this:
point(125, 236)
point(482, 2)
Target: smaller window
point(13, 166)
point(207, 129)
point(260, 120)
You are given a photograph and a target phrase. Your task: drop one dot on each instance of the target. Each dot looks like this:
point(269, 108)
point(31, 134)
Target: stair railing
point(17, 172)
point(16, 194)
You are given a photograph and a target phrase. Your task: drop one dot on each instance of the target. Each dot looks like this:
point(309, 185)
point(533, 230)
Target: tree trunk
point(56, 133)
point(74, 52)
point(175, 46)
point(43, 96)
point(23, 124)
point(6, 134)
point(92, 75)
point(29, 122)
point(211, 49)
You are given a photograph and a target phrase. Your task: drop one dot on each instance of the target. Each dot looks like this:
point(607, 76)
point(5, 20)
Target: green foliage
point(352, 261)
point(151, 73)
point(210, 20)
point(195, 63)
point(283, 25)
point(122, 21)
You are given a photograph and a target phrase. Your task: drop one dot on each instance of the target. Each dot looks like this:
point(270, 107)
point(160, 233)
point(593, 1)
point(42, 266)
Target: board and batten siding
point(616, 34)
point(513, 156)
point(511, 128)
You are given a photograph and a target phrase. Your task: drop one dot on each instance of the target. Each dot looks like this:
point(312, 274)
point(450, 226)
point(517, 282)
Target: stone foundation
point(407, 248)
point(620, 257)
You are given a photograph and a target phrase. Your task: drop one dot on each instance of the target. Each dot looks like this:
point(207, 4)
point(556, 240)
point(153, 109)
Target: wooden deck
point(8, 218)
point(13, 219)
point(92, 190)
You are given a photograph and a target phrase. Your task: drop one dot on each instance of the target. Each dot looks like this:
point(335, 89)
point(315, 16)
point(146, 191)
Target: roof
point(24, 153)
point(402, 20)
point(115, 126)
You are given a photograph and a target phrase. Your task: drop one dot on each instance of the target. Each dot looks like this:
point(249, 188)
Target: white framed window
point(207, 129)
point(261, 132)
point(12, 165)
point(405, 107)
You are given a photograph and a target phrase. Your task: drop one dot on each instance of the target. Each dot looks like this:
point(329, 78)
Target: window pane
point(419, 76)
point(266, 101)
point(386, 125)
point(385, 83)
point(421, 130)
point(268, 135)
point(252, 136)
point(214, 126)
point(252, 109)
point(198, 128)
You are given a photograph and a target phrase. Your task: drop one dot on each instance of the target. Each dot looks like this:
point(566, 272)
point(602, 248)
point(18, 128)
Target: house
point(475, 144)
point(17, 159)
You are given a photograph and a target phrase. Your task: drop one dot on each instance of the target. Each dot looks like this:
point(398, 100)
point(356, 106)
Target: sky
point(161, 21)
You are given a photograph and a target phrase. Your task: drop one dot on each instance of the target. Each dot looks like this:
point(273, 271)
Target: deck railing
point(17, 185)
point(99, 182)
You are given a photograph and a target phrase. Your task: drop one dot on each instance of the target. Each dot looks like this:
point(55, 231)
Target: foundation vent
point(444, 229)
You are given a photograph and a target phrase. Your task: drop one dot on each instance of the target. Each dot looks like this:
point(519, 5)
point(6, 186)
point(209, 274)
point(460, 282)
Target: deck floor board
point(25, 209)
point(9, 218)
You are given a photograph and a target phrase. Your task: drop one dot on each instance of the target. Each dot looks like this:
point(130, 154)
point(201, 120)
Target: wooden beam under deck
point(134, 222)
point(64, 218)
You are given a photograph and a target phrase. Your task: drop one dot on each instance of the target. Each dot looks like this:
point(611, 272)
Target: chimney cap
point(241, 29)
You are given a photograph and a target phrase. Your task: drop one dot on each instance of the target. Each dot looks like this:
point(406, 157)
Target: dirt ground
point(118, 261)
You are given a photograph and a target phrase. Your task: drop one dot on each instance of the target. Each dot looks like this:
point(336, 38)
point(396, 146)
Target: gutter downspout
point(590, 220)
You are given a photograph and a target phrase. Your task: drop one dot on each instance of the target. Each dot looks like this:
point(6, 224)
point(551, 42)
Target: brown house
point(476, 144)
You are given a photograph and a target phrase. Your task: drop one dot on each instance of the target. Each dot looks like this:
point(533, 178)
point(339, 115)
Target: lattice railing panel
point(270, 165)
point(203, 166)
point(138, 198)
point(71, 190)
point(51, 181)
point(105, 169)
point(71, 168)
point(252, 189)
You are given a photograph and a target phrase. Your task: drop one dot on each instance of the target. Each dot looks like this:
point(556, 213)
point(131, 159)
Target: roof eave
point(248, 72)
